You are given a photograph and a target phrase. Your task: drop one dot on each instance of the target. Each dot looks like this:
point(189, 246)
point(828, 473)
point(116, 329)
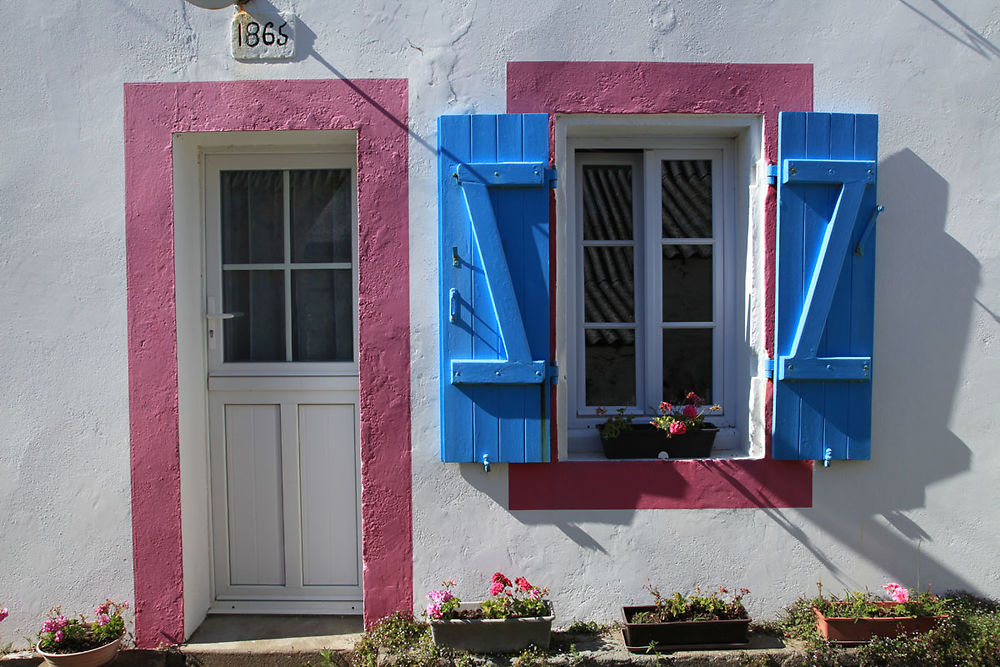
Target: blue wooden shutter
point(493, 207)
point(824, 301)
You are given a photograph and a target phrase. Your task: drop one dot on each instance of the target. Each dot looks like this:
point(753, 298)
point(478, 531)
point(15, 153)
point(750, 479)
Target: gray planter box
point(493, 635)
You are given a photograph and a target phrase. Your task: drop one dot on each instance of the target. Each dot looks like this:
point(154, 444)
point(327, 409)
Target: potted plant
point(79, 642)
point(677, 432)
point(678, 622)
point(516, 616)
point(859, 616)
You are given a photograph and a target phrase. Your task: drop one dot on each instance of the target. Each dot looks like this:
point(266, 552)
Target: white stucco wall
point(921, 510)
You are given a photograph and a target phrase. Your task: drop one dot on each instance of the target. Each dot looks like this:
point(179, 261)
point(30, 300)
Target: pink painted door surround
point(377, 110)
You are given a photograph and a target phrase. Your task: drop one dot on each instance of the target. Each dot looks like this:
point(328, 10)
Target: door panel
point(329, 534)
point(253, 474)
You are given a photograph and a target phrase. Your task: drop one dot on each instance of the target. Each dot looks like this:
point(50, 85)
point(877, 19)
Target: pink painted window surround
point(377, 110)
point(648, 88)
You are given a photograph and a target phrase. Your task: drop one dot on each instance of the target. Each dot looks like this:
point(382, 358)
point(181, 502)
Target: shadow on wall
point(925, 292)
point(925, 289)
point(969, 37)
point(306, 49)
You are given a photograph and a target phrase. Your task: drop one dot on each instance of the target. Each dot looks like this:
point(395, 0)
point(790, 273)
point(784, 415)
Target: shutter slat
point(825, 291)
point(457, 340)
point(496, 192)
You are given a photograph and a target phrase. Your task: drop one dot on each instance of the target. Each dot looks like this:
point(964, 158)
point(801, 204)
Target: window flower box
point(683, 635)
point(850, 630)
point(645, 441)
point(492, 635)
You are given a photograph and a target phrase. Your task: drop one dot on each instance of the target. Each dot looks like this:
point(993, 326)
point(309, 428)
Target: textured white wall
point(921, 508)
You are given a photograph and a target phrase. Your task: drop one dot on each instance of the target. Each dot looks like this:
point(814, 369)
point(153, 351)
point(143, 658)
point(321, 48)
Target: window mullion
point(652, 349)
point(287, 226)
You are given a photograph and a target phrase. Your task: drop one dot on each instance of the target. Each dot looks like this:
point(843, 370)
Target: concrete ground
point(296, 641)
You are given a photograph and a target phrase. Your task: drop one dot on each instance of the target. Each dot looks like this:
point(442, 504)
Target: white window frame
point(214, 163)
point(738, 344)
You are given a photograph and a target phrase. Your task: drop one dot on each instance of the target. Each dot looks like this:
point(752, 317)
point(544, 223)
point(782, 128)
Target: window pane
point(607, 202)
point(686, 186)
point(608, 284)
point(687, 283)
point(322, 315)
point(610, 366)
point(257, 298)
point(321, 219)
point(687, 363)
point(252, 217)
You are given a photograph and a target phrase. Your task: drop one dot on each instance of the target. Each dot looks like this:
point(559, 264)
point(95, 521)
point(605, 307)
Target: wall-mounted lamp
point(211, 4)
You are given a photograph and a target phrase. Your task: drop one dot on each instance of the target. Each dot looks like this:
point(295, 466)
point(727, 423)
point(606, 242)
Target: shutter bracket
point(868, 230)
point(486, 462)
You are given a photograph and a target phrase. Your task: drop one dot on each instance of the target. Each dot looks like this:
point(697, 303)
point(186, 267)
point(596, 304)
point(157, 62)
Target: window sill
point(600, 484)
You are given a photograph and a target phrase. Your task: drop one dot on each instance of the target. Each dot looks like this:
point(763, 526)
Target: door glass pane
point(252, 217)
point(610, 367)
point(322, 315)
point(687, 283)
point(686, 187)
point(257, 298)
point(687, 364)
point(607, 202)
point(321, 215)
point(608, 284)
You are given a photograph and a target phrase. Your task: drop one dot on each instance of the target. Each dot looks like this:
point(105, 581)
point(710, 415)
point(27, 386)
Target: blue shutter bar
point(824, 302)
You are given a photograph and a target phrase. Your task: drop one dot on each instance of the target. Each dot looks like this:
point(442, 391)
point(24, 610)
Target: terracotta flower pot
point(96, 657)
point(844, 629)
point(645, 441)
point(492, 635)
point(683, 635)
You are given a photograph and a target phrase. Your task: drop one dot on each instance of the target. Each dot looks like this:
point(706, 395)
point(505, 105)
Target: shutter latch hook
point(827, 457)
point(486, 462)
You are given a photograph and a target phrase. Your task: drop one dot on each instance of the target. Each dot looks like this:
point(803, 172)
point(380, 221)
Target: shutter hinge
point(553, 176)
point(769, 369)
point(772, 174)
point(552, 373)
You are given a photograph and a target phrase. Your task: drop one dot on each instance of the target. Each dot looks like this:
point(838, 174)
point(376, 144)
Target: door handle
point(214, 318)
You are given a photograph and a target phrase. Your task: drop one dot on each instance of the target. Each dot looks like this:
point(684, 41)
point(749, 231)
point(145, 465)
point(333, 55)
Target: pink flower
point(496, 588)
point(102, 608)
point(666, 407)
point(601, 412)
point(690, 411)
point(693, 398)
point(434, 610)
point(498, 578)
point(678, 428)
point(439, 596)
point(523, 584)
point(897, 592)
point(60, 635)
point(103, 619)
point(535, 594)
point(3, 613)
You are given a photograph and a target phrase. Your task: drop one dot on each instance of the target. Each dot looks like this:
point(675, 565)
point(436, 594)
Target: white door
point(281, 336)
